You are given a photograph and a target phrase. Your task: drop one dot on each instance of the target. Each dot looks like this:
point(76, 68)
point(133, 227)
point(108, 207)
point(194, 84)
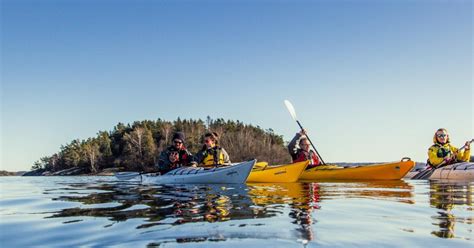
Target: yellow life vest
point(438, 152)
point(213, 156)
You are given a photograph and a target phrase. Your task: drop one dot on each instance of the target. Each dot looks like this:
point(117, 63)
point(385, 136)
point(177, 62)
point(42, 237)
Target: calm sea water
point(101, 211)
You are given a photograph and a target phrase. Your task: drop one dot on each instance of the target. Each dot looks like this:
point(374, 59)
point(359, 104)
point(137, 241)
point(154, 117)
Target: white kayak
point(458, 171)
point(234, 173)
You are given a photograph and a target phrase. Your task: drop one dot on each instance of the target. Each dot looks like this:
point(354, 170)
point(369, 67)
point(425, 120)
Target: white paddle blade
point(291, 109)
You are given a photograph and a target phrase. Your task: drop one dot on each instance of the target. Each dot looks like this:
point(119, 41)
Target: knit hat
point(178, 135)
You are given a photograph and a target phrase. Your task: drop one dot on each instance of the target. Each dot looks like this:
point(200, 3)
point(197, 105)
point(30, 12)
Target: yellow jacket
point(213, 156)
point(438, 152)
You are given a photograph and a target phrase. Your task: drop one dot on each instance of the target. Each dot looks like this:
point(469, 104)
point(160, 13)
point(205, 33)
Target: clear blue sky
point(370, 80)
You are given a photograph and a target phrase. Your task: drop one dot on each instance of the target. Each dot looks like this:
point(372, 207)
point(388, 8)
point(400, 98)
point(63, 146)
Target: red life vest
point(303, 155)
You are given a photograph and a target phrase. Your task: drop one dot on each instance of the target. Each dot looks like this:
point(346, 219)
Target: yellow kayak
point(287, 173)
point(386, 171)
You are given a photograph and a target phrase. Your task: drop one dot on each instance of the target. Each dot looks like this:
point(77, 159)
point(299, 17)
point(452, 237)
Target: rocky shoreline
point(71, 172)
point(9, 173)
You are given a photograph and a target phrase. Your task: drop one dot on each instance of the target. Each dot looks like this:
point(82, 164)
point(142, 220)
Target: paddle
point(426, 173)
point(292, 111)
point(127, 175)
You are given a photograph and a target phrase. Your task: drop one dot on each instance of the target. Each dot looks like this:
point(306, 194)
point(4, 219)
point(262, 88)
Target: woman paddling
point(443, 153)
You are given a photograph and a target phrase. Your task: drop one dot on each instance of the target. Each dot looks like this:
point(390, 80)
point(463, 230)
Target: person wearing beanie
point(175, 155)
point(443, 153)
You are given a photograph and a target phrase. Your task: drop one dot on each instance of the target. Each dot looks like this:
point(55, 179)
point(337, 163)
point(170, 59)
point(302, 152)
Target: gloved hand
point(174, 157)
point(303, 132)
point(448, 159)
point(467, 146)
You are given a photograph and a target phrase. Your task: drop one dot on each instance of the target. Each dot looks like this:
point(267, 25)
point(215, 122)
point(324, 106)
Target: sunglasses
point(442, 135)
point(178, 142)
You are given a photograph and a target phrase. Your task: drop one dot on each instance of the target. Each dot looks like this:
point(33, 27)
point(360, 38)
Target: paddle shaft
point(299, 124)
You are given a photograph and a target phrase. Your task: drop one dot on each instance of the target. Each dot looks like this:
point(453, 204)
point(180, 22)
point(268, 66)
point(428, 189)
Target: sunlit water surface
point(101, 211)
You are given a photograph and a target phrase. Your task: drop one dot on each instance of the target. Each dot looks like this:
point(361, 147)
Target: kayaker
point(211, 153)
point(443, 153)
point(175, 155)
point(303, 152)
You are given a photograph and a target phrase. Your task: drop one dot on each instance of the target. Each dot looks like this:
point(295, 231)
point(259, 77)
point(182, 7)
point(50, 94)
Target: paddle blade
point(424, 174)
point(126, 175)
point(291, 109)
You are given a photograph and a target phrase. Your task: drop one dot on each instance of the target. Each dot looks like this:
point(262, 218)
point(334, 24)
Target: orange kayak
point(385, 171)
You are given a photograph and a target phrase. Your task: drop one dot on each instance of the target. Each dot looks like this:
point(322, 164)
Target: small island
point(136, 146)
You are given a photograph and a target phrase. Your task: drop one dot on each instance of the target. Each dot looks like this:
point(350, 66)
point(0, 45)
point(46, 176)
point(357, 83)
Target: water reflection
point(445, 195)
point(392, 190)
point(302, 198)
point(293, 205)
point(170, 205)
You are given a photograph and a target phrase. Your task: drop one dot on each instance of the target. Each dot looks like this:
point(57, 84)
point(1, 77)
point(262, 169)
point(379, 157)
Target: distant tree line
point(7, 173)
point(137, 146)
